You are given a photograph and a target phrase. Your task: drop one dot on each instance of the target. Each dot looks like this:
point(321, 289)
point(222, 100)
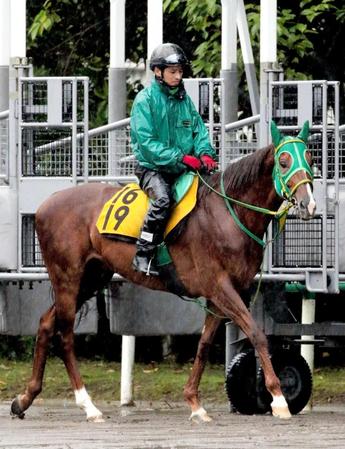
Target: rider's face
point(172, 75)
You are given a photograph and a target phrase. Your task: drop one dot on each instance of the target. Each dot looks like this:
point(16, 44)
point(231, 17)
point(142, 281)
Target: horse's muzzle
point(307, 207)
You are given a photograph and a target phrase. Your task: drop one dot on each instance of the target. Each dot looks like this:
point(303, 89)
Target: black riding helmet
point(167, 54)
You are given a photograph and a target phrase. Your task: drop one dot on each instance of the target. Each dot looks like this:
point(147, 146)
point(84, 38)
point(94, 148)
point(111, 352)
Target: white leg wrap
point(83, 401)
point(280, 408)
point(279, 401)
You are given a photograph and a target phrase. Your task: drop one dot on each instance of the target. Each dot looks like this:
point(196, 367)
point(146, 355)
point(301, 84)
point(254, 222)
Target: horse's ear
point(304, 133)
point(276, 135)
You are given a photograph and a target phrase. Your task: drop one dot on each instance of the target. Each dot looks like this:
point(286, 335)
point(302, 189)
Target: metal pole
point(154, 31)
point(3, 310)
point(4, 53)
point(248, 58)
point(229, 60)
point(117, 95)
point(117, 88)
point(127, 364)
point(18, 28)
point(268, 57)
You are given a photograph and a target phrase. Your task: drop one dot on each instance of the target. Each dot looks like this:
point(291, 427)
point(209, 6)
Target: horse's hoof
point(281, 412)
point(280, 408)
point(16, 410)
point(200, 416)
point(95, 419)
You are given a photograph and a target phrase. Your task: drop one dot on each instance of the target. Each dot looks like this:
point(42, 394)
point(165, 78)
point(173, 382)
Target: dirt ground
point(61, 425)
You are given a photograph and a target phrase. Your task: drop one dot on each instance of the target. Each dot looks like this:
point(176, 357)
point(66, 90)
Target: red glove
point(191, 162)
point(208, 163)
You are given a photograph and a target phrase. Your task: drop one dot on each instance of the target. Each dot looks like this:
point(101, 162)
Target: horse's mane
point(240, 173)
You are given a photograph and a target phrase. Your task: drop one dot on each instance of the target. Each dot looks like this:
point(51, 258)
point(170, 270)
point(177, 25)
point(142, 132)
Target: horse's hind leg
point(191, 393)
point(231, 304)
point(34, 386)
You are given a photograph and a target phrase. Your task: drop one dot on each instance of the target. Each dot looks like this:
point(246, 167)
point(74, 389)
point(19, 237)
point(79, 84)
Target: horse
point(214, 258)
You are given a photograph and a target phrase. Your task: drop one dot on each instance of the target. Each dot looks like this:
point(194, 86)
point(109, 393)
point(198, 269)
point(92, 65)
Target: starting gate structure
point(51, 148)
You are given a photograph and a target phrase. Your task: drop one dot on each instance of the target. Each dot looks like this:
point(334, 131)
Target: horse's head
point(292, 173)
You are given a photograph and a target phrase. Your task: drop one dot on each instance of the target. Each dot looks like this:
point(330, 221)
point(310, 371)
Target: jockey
point(168, 137)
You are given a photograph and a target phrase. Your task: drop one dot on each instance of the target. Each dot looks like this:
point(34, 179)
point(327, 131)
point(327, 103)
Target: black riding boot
point(144, 258)
point(158, 188)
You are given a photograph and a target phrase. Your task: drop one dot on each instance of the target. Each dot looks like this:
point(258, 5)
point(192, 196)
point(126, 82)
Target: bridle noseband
point(296, 149)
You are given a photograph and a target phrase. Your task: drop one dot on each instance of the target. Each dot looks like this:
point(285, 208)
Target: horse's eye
point(284, 163)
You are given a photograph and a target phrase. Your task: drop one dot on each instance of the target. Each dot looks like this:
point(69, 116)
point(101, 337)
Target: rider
point(168, 137)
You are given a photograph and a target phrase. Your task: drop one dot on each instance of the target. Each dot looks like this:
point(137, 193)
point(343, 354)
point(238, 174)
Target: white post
point(18, 28)
point(248, 58)
point(307, 351)
point(117, 87)
point(127, 364)
point(229, 60)
point(154, 31)
point(229, 34)
point(4, 53)
point(154, 25)
point(117, 33)
point(268, 31)
point(268, 57)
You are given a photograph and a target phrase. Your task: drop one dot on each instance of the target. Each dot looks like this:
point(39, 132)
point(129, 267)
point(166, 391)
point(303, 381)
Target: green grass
point(164, 381)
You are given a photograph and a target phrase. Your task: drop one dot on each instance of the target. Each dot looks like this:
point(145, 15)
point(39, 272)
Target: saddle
point(123, 215)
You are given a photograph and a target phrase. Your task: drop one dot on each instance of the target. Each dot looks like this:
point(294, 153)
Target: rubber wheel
point(240, 383)
point(295, 378)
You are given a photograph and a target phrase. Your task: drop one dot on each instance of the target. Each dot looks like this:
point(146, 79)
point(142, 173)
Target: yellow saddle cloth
point(124, 213)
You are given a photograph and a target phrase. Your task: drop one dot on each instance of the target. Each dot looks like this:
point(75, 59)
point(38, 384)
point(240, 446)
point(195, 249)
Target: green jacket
point(164, 128)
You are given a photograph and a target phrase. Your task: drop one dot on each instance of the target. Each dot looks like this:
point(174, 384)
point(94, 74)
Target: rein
point(280, 214)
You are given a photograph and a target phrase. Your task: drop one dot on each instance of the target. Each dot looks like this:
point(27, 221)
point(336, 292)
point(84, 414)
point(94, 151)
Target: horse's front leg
point(191, 393)
point(230, 303)
point(65, 327)
point(34, 387)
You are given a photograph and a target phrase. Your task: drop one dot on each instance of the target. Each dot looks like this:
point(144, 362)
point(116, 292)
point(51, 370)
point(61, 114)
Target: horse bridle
point(296, 149)
point(297, 153)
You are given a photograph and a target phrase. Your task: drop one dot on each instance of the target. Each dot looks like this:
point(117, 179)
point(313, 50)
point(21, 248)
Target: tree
point(71, 37)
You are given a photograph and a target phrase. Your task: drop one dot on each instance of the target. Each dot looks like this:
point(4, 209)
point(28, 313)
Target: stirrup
point(148, 271)
point(146, 268)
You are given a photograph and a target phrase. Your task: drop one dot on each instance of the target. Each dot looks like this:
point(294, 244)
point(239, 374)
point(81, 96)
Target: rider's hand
point(192, 162)
point(208, 163)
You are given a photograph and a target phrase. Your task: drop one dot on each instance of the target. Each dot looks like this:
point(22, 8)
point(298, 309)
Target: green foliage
point(203, 17)
point(16, 348)
point(71, 37)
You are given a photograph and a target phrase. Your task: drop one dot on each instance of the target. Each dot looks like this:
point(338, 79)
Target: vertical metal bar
point(324, 178)
point(211, 109)
point(268, 256)
point(222, 127)
point(336, 183)
point(19, 175)
point(86, 130)
point(74, 130)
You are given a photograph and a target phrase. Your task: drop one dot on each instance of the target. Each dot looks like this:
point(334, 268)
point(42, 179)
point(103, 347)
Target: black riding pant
point(158, 187)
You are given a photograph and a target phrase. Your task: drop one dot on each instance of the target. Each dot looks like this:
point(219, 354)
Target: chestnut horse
point(213, 258)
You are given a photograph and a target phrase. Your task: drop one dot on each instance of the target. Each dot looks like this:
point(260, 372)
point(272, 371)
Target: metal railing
point(4, 145)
